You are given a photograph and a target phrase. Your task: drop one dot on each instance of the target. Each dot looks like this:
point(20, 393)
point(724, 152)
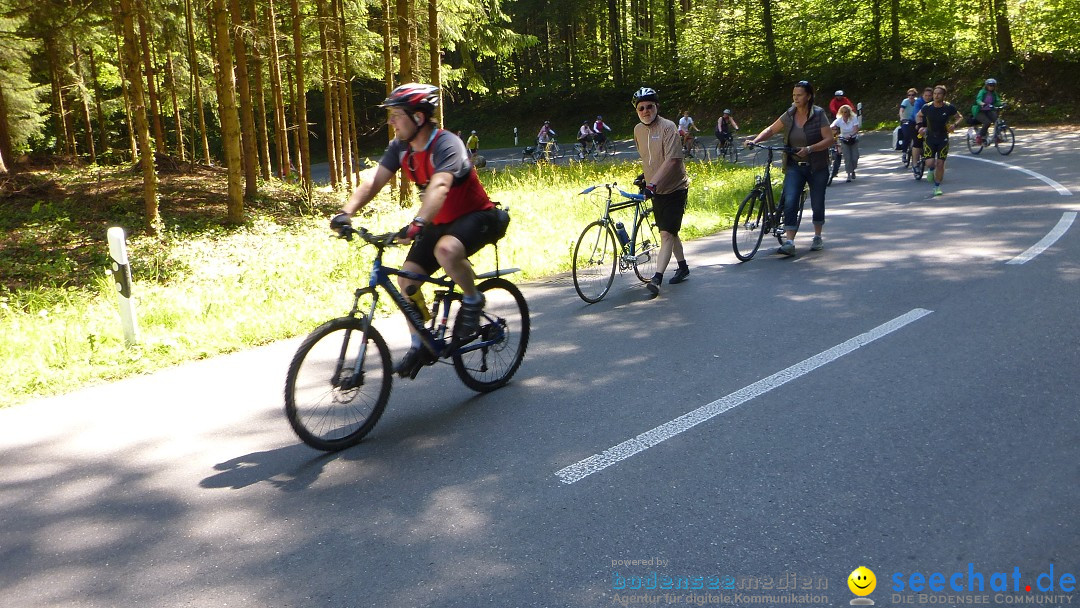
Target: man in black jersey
point(933, 122)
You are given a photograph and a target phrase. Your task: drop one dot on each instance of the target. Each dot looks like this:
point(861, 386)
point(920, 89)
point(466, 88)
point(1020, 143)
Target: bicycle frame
point(434, 339)
point(631, 200)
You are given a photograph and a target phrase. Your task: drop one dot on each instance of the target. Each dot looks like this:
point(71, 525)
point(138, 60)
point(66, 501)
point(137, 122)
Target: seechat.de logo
point(862, 582)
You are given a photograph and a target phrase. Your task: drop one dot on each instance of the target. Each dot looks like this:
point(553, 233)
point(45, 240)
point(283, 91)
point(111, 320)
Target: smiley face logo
point(862, 581)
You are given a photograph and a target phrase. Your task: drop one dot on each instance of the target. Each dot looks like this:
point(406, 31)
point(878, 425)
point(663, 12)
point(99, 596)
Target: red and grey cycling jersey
point(443, 153)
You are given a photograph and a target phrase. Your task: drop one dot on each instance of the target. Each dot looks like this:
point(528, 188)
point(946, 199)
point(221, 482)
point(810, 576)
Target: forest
point(263, 86)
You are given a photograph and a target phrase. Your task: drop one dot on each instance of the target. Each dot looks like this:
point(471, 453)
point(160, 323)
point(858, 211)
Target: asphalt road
point(905, 400)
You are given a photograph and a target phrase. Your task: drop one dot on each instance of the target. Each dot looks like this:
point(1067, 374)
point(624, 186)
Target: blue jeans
point(795, 178)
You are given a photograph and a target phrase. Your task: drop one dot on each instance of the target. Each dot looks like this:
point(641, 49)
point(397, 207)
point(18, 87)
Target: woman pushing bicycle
point(456, 218)
point(805, 127)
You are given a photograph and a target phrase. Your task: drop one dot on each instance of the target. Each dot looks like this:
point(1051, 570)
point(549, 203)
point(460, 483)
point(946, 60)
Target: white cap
point(839, 93)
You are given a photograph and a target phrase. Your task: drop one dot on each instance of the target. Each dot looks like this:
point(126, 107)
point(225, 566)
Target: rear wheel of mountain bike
point(504, 333)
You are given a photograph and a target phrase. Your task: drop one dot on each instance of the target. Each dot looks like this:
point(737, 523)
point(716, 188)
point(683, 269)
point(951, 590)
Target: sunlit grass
point(221, 290)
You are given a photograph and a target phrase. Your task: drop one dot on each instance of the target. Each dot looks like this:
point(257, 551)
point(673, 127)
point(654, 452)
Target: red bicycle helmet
point(413, 97)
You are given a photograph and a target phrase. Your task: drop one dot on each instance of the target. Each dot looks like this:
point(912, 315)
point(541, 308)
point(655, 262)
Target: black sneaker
point(468, 322)
point(681, 273)
point(409, 365)
point(653, 285)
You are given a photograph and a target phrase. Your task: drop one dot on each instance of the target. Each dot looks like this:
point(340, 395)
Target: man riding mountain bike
point(456, 218)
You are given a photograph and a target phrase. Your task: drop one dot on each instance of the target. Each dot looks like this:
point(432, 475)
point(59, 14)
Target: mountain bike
point(607, 147)
point(604, 245)
point(586, 151)
point(835, 158)
point(758, 213)
point(999, 134)
point(907, 130)
point(727, 150)
point(339, 380)
point(695, 151)
point(918, 168)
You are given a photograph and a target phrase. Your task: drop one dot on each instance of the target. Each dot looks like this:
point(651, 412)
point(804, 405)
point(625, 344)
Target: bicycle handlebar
point(614, 186)
point(788, 149)
point(387, 239)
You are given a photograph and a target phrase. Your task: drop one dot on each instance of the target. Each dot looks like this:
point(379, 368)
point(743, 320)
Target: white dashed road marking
point(598, 462)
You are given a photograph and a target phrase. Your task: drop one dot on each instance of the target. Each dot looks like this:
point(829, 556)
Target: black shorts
point(474, 230)
point(668, 210)
point(937, 148)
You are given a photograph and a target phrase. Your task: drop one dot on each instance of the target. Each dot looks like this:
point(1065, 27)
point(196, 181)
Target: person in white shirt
point(685, 124)
point(847, 123)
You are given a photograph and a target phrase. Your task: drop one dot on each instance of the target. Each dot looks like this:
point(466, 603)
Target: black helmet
point(413, 97)
point(645, 94)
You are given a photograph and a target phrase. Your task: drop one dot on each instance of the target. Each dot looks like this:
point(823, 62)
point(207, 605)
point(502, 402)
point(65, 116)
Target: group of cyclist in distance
point(456, 218)
point(926, 121)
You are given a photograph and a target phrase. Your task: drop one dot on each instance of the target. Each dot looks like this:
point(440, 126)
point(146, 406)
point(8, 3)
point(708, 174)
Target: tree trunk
point(193, 65)
point(3, 167)
point(63, 133)
point(151, 80)
point(103, 133)
point(770, 40)
point(615, 42)
point(230, 121)
point(1003, 30)
point(405, 61)
point(247, 116)
point(80, 93)
point(132, 144)
point(435, 52)
point(142, 129)
point(348, 124)
point(673, 40)
point(328, 96)
point(5, 130)
point(170, 81)
point(260, 92)
point(281, 133)
point(388, 73)
point(301, 96)
point(875, 26)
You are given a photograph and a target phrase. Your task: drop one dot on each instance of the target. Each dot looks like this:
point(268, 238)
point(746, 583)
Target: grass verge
point(203, 289)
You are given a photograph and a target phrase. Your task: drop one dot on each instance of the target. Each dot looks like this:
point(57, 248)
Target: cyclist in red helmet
point(456, 217)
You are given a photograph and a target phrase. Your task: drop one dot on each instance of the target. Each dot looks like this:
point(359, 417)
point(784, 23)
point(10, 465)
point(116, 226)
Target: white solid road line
point(598, 462)
point(1056, 233)
point(1062, 190)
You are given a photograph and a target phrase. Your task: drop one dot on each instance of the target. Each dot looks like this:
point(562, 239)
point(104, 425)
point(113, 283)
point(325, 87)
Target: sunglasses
point(912, 95)
point(646, 107)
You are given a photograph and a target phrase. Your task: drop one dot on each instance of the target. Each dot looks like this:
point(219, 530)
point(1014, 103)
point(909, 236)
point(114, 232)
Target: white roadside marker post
point(121, 274)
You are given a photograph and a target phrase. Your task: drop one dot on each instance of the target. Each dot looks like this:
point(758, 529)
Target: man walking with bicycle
point(456, 218)
point(660, 148)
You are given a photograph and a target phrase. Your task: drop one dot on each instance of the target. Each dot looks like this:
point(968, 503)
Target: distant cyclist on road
point(598, 128)
point(585, 136)
point(933, 121)
point(725, 127)
point(917, 143)
point(837, 101)
point(685, 124)
point(907, 117)
point(473, 144)
point(546, 133)
point(983, 109)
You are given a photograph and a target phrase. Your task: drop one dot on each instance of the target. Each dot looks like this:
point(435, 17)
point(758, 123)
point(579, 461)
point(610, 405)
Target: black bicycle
point(727, 149)
point(758, 213)
point(605, 245)
point(999, 134)
point(339, 380)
